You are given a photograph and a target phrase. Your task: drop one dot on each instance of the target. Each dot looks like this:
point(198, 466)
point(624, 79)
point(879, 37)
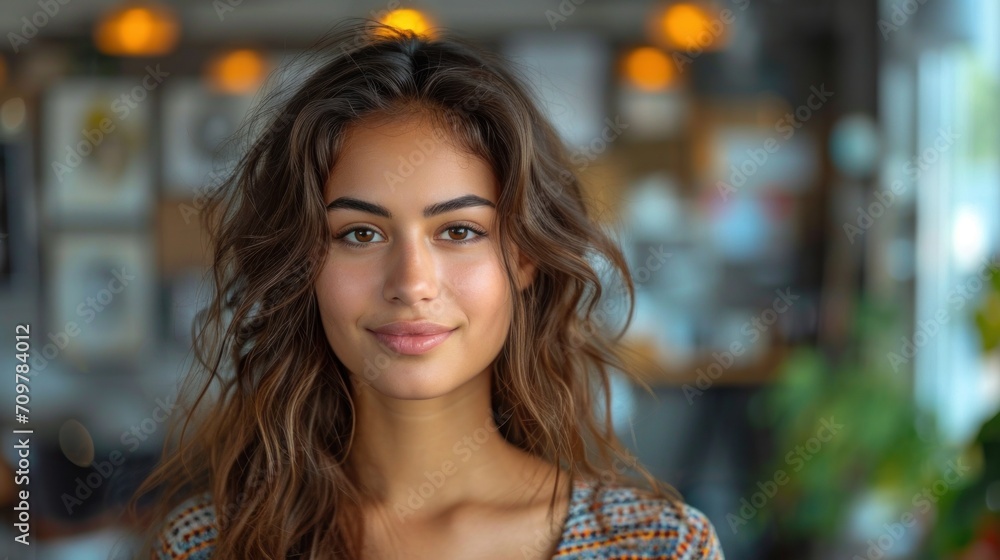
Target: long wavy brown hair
point(267, 416)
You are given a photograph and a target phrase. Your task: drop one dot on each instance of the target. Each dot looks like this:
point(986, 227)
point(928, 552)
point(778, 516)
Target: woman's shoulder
point(619, 519)
point(189, 531)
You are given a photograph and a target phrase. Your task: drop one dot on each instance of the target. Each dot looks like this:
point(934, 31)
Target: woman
point(405, 334)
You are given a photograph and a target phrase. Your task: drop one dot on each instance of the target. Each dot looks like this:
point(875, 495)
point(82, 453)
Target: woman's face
point(414, 226)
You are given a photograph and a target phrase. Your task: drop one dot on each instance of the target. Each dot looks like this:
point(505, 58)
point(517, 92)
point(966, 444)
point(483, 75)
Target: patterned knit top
point(636, 526)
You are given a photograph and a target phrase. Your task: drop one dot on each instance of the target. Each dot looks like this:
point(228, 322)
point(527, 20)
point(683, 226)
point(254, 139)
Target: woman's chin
point(415, 382)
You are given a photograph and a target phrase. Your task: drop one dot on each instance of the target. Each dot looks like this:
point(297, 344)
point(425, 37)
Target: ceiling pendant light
point(137, 29)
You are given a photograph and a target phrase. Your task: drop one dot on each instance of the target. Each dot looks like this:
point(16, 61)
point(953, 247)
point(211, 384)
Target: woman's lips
point(411, 344)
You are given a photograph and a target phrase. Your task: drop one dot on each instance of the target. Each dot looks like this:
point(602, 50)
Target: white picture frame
point(96, 161)
point(101, 296)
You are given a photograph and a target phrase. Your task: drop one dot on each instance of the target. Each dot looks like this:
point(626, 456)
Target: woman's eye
point(460, 234)
point(358, 236)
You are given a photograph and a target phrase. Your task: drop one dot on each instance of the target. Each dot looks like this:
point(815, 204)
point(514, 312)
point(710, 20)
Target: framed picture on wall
point(101, 288)
point(96, 162)
point(197, 123)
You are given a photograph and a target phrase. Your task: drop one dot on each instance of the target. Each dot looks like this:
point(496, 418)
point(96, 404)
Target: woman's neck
point(422, 457)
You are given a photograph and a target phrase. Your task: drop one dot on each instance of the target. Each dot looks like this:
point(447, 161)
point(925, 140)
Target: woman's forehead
point(412, 158)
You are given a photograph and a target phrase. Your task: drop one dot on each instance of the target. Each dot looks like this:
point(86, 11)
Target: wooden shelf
point(762, 370)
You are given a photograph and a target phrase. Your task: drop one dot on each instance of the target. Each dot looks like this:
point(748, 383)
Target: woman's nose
point(412, 274)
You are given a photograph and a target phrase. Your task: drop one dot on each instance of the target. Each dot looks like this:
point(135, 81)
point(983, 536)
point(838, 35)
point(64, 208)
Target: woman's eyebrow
point(466, 201)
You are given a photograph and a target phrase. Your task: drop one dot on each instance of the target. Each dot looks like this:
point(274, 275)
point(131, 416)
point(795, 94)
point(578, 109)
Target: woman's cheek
point(343, 291)
point(482, 288)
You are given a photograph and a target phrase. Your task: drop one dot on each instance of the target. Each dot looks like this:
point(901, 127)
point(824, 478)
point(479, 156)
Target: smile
point(411, 344)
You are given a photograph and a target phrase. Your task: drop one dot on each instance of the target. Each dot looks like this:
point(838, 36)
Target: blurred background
point(808, 193)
